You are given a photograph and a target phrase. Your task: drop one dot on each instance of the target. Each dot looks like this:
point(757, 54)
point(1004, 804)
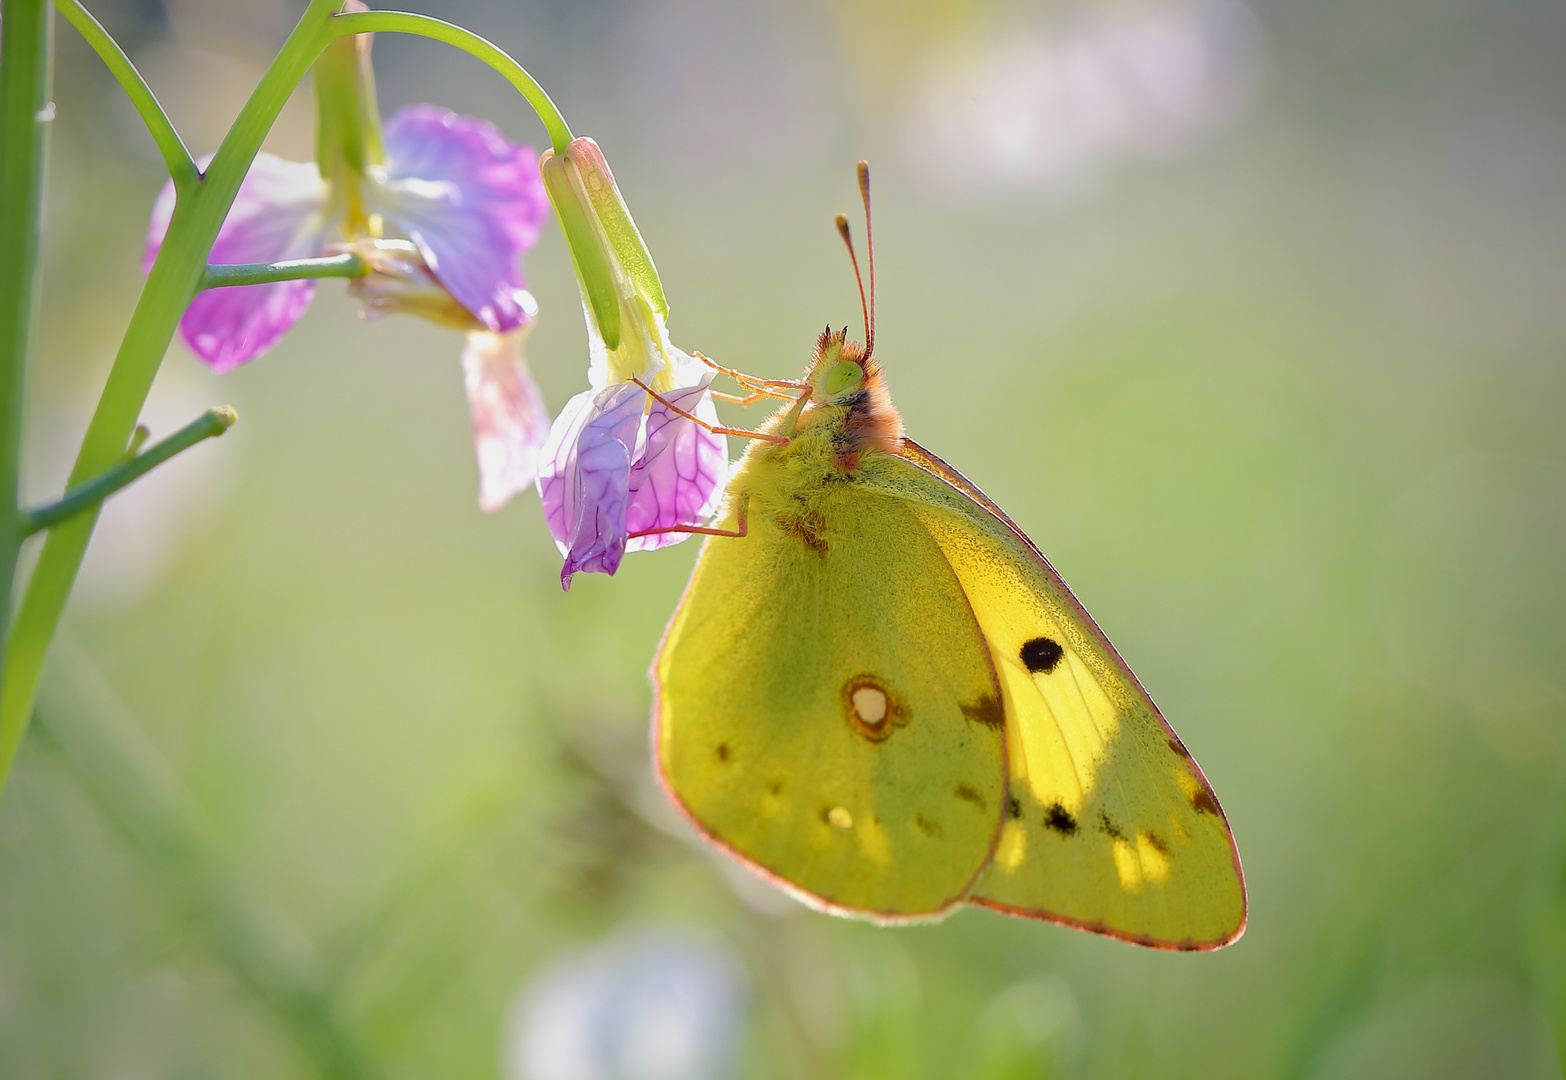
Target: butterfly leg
point(779, 440)
point(744, 527)
point(750, 382)
point(745, 402)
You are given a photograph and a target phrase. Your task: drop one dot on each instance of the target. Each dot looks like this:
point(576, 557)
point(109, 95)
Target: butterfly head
point(847, 385)
point(839, 370)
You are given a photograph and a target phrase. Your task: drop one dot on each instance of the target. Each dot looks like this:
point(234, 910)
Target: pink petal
point(556, 487)
point(509, 421)
point(584, 479)
point(278, 214)
point(679, 476)
point(471, 200)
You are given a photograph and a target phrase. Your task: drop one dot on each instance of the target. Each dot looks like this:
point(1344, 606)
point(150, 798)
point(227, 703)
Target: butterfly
point(879, 694)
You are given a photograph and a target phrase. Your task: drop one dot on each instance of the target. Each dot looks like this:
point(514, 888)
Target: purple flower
point(619, 463)
point(585, 478)
point(679, 474)
point(472, 202)
point(627, 467)
point(468, 202)
point(279, 213)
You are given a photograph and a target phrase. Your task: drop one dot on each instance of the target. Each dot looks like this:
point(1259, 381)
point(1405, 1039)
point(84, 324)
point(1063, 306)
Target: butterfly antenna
point(864, 193)
point(864, 308)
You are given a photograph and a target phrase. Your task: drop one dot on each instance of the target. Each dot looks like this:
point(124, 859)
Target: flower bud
point(622, 296)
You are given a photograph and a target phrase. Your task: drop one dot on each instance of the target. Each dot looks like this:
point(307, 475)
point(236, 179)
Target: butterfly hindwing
point(827, 709)
point(1110, 825)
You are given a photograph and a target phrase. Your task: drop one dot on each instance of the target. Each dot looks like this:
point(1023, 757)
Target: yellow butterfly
point(879, 694)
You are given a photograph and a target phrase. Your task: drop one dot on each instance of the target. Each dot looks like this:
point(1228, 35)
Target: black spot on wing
point(1057, 817)
point(775, 788)
point(1202, 802)
point(1178, 747)
point(926, 826)
point(966, 793)
point(722, 751)
point(1041, 654)
point(1013, 808)
point(987, 711)
point(1109, 827)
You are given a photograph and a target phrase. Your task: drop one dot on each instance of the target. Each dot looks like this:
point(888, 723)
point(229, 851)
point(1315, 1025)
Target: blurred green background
point(1253, 317)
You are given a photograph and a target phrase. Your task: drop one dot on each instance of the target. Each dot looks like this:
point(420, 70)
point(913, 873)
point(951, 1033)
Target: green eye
point(845, 375)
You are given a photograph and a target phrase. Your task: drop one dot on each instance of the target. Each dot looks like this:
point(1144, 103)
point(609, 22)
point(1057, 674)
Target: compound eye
point(844, 376)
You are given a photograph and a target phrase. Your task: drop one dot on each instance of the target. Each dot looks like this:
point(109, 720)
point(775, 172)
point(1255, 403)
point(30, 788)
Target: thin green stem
point(208, 425)
point(173, 280)
point(404, 22)
point(346, 265)
point(25, 112)
point(182, 167)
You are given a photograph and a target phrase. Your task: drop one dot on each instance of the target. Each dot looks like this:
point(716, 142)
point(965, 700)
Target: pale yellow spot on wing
point(1155, 864)
point(872, 843)
point(1127, 866)
point(840, 818)
point(1013, 846)
point(870, 705)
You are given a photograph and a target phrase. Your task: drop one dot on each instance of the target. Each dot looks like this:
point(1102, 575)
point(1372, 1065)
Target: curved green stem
point(208, 425)
point(182, 167)
point(173, 280)
point(346, 265)
point(404, 22)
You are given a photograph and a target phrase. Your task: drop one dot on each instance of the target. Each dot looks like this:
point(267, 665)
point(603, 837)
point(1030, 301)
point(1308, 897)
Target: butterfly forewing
point(827, 709)
point(1110, 825)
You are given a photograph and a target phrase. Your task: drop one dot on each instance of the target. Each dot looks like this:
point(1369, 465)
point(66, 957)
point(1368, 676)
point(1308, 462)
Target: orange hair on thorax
point(872, 421)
